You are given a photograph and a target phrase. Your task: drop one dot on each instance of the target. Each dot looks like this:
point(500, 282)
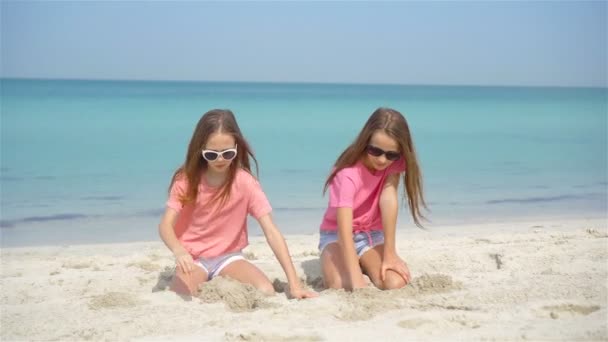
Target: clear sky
point(476, 43)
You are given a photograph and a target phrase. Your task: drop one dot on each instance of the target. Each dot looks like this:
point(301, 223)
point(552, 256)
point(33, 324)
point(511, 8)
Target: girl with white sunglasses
point(205, 221)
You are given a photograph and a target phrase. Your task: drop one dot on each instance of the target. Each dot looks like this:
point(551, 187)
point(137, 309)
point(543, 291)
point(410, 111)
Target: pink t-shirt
point(210, 230)
point(358, 188)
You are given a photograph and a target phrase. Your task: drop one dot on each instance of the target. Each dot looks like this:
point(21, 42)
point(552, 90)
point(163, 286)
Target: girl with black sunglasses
point(358, 230)
point(205, 221)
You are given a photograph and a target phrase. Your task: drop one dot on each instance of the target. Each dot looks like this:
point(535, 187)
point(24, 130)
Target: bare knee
point(262, 284)
point(266, 288)
point(377, 283)
point(333, 283)
point(393, 282)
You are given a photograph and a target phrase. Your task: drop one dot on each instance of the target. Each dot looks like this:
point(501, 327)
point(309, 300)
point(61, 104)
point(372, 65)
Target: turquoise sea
point(90, 161)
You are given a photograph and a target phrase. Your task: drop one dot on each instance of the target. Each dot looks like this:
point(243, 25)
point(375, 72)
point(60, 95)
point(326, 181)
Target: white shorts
point(213, 266)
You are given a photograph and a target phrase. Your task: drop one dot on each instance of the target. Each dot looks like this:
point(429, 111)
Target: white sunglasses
point(210, 155)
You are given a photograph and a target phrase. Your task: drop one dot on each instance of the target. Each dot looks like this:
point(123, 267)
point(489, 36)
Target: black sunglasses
point(377, 152)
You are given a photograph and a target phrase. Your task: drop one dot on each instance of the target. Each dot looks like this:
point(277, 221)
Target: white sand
point(517, 281)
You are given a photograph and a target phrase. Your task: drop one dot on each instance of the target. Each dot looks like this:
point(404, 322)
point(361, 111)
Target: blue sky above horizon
point(443, 43)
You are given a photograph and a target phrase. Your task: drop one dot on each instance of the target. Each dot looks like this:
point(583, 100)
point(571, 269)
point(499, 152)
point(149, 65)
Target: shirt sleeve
point(342, 191)
point(258, 202)
point(397, 167)
point(178, 190)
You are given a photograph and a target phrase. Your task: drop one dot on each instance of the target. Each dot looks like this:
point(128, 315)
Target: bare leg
point(187, 283)
point(247, 273)
point(333, 267)
point(371, 261)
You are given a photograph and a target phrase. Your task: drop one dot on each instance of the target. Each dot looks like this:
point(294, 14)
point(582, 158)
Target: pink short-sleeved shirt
point(358, 188)
point(210, 230)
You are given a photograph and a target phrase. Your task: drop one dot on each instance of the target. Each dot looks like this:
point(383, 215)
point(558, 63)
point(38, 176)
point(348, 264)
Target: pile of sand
point(363, 304)
point(236, 295)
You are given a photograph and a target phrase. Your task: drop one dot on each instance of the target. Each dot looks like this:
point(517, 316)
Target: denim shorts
point(364, 241)
point(213, 266)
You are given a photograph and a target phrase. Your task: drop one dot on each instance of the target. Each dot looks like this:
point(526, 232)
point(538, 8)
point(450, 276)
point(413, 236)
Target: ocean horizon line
point(308, 83)
point(158, 211)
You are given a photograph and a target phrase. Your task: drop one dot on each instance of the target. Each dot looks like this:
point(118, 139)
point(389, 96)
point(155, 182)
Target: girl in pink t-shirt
point(205, 222)
point(358, 230)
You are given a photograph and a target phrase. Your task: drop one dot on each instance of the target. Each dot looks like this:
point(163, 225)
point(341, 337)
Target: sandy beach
point(510, 281)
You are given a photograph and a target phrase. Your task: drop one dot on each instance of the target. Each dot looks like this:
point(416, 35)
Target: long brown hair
point(394, 125)
point(215, 120)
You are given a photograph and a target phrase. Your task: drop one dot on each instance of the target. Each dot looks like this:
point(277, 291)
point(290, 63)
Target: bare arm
point(345, 239)
point(389, 206)
point(167, 234)
point(279, 248)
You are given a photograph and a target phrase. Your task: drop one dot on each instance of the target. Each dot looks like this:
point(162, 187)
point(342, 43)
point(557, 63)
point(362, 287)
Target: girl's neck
point(215, 179)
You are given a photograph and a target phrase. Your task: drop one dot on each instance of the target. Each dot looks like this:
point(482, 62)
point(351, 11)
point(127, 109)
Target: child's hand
point(184, 261)
point(299, 293)
point(394, 263)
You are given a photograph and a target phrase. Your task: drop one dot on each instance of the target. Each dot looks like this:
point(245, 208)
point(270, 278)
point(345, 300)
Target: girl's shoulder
point(244, 177)
point(180, 180)
point(353, 172)
point(357, 169)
